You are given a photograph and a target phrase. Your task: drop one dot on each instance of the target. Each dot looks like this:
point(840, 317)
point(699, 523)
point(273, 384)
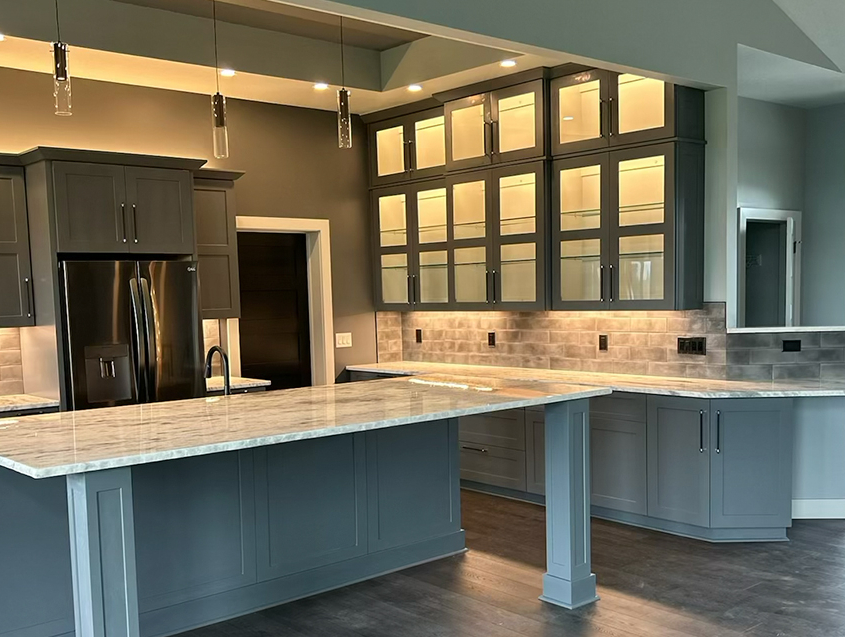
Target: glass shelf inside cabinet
point(431, 215)
point(393, 228)
point(580, 198)
point(579, 111)
point(470, 210)
point(518, 204)
point(517, 122)
point(390, 151)
point(471, 275)
point(434, 277)
point(641, 103)
point(641, 267)
point(394, 278)
point(468, 132)
point(642, 187)
point(519, 272)
point(430, 142)
point(580, 270)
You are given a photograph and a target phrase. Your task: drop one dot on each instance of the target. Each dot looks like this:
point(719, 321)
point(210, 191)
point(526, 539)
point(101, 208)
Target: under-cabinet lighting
point(227, 72)
point(415, 88)
point(507, 64)
point(321, 86)
point(568, 118)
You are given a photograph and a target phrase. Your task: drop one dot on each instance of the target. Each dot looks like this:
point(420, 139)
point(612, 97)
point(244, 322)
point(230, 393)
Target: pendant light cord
point(342, 65)
point(58, 24)
point(216, 55)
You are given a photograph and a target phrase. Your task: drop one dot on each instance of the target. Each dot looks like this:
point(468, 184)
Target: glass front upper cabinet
point(408, 148)
point(501, 126)
point(594, 109)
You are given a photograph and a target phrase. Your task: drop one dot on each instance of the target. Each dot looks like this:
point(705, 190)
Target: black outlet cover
point(603, 342)
point(419, 336)
point(491, 339)
point(792, 345)
point(695, 345)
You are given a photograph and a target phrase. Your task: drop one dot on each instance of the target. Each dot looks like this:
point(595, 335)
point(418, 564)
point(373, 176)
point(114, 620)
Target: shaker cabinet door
point(16, 297)
point(91, 213)
point(217, 249)
point(160, 211)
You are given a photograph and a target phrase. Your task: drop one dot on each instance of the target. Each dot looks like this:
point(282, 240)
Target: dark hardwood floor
point(651, 585)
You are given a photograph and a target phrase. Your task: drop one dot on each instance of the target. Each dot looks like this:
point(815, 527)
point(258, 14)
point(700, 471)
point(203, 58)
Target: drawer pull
point(478, 449)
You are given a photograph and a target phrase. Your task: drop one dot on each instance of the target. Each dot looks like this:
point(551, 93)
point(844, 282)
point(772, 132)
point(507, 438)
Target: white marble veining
point(95, 439)
point(664, 386)
point(20, 402)
point(215, 383)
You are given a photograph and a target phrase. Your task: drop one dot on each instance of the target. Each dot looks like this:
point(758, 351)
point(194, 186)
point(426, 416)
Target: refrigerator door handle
point(151, 329)
point(138, 353)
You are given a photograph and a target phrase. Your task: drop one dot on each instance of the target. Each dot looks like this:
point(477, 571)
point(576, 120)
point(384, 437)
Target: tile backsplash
point(11, 372)
point(638, 342)
point(760, 356)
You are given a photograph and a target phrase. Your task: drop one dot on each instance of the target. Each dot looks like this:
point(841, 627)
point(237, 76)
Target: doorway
point(765, 274)
point(275, 338)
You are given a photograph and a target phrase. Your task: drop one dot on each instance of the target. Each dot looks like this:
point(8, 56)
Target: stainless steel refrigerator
point(132, 332)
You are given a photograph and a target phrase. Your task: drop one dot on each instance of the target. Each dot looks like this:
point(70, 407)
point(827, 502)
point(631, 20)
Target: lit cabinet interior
point(408, 148)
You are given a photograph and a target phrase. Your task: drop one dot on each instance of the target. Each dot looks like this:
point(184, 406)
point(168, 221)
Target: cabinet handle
point(495, 291)
point(494, 135)
point(410, 290)
point(478, 449)
point(488, 138)
point(611, 283)
point(406, 148)
point(412, 156)
point(601, 283)
point(701, 431)
point(603, 115)
point(135, 222)
point(489, 281)
point(414, 288)
point(123, 221)
point(718, 432)
point(610, 117)
point(29, 299)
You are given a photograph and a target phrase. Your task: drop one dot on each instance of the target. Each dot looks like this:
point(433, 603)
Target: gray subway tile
point(833, 339)
point(832, 371)
point(804, 371)
point(749, 341)
point(750, 372)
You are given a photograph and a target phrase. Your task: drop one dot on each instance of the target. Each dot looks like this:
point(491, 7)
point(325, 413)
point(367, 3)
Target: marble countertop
point(215, 383)
point(659, 385)
point(90, 440)
point(20, 402)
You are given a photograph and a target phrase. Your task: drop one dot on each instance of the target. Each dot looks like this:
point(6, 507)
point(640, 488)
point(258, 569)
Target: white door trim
point(320, 311)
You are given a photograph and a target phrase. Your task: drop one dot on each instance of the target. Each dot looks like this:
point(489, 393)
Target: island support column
point(569, 581)
point(102, 544)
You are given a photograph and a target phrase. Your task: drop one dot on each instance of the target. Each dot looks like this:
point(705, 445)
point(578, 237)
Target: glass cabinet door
point(642, 108)
point(579, 119)
point(468, 131)
point(518, 114)
point(429, 143)
point(388, 152)
point(643, 222)
point(469, 211)
point(393, 247)
point(580, 234)
point(519, 255)
point(430, 278)
point(408, 148)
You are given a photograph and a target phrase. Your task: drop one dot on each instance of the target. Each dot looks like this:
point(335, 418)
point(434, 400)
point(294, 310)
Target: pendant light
point(220, 127)
point(61, 72)
point(344, 122)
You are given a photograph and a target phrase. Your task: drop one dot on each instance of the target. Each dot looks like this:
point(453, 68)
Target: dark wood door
point(160, 214)
point(217, 249)
point(16, 304)
point(274, 325)
point(90, 204)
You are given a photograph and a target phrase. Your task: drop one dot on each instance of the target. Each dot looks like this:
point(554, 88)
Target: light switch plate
point(342, 340)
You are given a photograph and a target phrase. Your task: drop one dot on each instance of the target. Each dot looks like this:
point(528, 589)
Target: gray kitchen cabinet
point(90, 207)
point(407, 148)
point(678, 459)
point(16, 295)
point(109, 208)
point(751, 463)
point(217, 248)
point(160, 210)
point(535, 450)
point(500, 429)
point(493, 449)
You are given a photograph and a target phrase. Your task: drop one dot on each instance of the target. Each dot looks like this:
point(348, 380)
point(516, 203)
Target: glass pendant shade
point(61, 79)
point(344, 121)
point(220, 127)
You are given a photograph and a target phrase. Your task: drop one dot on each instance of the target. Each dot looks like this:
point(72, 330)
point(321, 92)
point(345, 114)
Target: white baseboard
point(818, 509)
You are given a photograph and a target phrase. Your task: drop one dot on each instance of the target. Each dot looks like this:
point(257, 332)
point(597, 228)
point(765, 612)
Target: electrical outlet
point(491, 339)
point(343, 340)
point(792, 345)
point(696, 345)
point(419, 336)
point(602, 342)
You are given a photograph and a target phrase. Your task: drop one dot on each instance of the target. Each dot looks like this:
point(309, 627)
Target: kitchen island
point(153, 519)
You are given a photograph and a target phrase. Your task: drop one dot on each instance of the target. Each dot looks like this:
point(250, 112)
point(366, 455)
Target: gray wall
point(772, 140)
point(290, 155)
point(823, 259)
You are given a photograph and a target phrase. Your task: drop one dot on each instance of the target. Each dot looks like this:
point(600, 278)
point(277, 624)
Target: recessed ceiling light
point(568, 118)
point(415, 88)
point(321, 86)
point(227, 72)
point(507, 63)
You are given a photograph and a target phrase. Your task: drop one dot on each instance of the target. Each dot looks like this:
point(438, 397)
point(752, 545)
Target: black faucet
point(227, 378)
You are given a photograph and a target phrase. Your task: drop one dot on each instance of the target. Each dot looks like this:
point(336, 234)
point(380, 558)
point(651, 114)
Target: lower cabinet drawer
point(504, 429)
point(493, 465)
